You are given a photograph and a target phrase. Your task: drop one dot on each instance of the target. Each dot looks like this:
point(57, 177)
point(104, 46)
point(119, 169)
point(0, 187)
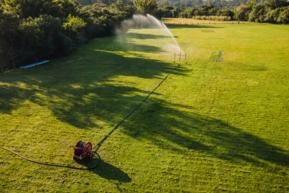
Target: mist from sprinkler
point(148, 21)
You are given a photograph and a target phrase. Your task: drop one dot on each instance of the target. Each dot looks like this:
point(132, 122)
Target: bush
point(146, 6)
point(32, 30)
point(242, 12)
point(102, 19)
point(40, 38)
point(8, 33)
point(35, 8)
point(187, 13)
point(258, 13)
point(74, 28)
point(226, 12)
point(284, 16)
point(273, 15)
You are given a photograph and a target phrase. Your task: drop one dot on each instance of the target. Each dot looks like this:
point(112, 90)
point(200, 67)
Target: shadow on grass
point(146, 36)
point(179, 130)
point(82, 92)
point(105, 170)
point(85, 93)
point(11, 97)
point(130, 46)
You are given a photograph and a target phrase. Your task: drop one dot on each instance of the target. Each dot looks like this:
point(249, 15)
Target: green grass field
point(218, 124)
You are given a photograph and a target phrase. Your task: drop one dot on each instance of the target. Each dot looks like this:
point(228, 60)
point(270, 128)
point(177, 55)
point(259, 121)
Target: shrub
point(284, 16)
point(258, 13)
point(145, 6)
point(8, 33)
point(242, 12)
point(187, 13)
point(38, 29)
point(40, 38)
point(102, 19)
point(226, 12)
point(74, 28)
point(273, 15)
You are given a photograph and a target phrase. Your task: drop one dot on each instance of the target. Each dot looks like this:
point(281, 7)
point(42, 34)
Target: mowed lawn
point(218, 124)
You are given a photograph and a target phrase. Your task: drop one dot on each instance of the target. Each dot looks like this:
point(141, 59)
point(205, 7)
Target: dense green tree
point(145, 6)
point(284, 16)
point(258, 13)
point(27, 8)
point(8, 38)
point(242, 12)
point(32, 30)
point(273, 15)
point(74, 26)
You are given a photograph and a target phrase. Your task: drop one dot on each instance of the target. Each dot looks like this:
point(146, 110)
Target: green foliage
point(167, 12)
point(41, 37)
point(258, 13)
point(102, 19)
point(74, 26)
point(284, 16)
point(8, 37)
point(206, 11)
point(145, 6)
point(32, 30)
point(253, 10)
point(74, 23)
point(273, 15)
point(242, 12)
point(226, 12)
point(187, 13)
point(265, 13)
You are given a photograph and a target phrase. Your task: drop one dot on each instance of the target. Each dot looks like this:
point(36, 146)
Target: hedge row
point(35, 30)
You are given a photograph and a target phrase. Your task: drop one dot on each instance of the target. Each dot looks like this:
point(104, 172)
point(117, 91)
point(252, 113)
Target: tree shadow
point(122, 44)
point(85, 92)
point(181, 130)
point(146, 36)
point(105, 170)
point(11, 97)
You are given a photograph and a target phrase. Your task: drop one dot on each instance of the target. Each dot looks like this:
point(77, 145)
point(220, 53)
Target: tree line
point(34, 30)
point(269, 11)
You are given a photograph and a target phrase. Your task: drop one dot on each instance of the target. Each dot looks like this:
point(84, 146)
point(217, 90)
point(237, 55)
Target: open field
point(218, 124)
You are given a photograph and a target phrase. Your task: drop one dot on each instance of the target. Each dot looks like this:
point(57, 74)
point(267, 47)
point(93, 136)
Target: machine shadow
point(105, 170)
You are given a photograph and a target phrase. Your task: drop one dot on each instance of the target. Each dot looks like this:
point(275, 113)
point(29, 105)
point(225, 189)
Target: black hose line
point(47, 163)
point(99, 144)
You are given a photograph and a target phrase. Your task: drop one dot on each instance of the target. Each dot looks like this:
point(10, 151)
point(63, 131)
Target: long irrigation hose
point(46, 163)
point(99, 144)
